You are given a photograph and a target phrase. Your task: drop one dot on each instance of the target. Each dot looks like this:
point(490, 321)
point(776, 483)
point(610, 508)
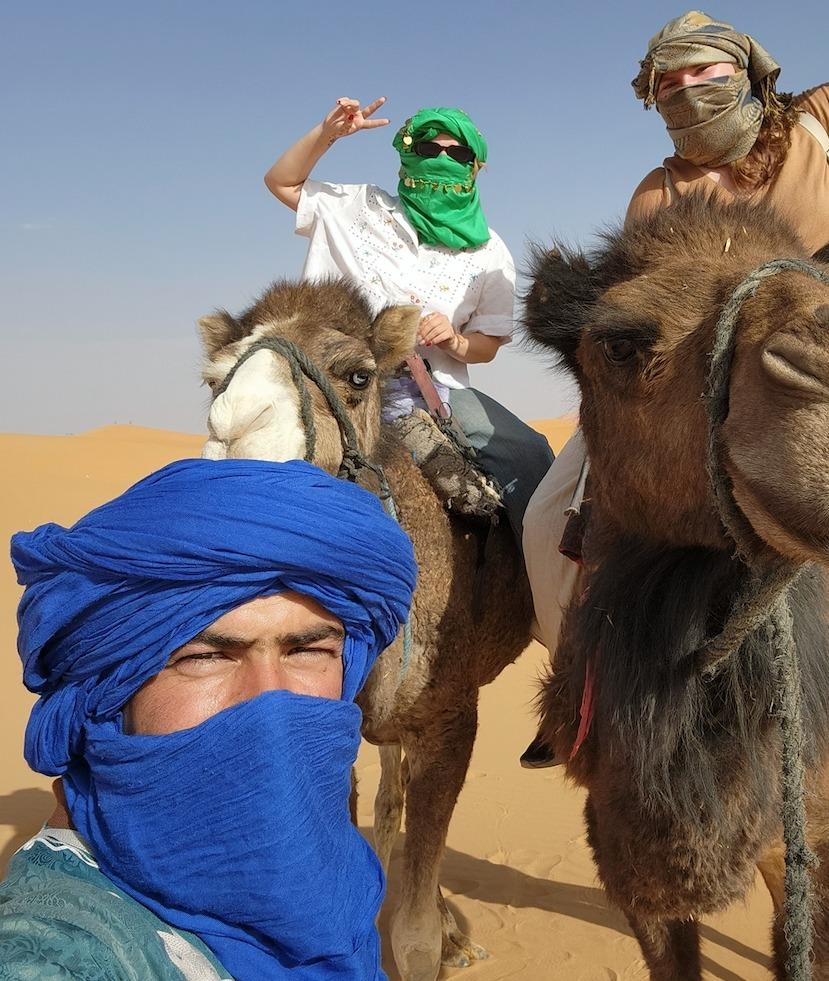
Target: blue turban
point(107, 601)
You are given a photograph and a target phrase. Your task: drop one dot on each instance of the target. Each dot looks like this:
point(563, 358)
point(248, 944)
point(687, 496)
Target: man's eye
point(619, 351)
point(200, 657)
point(312, 653)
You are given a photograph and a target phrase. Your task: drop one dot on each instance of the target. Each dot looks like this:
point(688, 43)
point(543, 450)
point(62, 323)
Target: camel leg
point(352, 798)
point(458, 950)
point(817, 817)
point(438, 760)
point(772, 867)
point(670, 947)
point(388, 804)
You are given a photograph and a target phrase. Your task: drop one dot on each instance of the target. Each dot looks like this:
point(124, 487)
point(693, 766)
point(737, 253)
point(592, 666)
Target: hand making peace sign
point(347, 117)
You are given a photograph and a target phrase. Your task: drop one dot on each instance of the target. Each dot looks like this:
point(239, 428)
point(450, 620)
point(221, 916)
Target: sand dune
point(517, 872)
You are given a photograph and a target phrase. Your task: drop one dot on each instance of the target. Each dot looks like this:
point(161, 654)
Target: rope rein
point(354, 462)
point(762, 599)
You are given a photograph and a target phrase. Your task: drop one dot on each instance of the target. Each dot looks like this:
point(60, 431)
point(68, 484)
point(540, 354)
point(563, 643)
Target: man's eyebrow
point(322, 632)
point(218, 640)
point(310, 636)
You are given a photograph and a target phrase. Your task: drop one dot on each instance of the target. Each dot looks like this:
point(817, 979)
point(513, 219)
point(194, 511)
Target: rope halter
point(302, 367)
point(763, 599)
point(354, 462)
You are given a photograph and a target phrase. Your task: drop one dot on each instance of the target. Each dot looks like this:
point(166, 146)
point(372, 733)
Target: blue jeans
point(507, 449)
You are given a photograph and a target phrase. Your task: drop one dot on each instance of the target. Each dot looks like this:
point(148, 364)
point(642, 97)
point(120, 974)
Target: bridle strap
point(302, 367)
point(353, 462)
point(763, 599)
point(423, 380)
point(765, 582)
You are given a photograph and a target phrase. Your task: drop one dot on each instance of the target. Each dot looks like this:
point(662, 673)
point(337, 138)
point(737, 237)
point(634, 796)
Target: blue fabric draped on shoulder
point(110, 598)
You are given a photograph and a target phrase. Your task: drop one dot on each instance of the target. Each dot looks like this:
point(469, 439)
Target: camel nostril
point(822, 314)
point(796, 366)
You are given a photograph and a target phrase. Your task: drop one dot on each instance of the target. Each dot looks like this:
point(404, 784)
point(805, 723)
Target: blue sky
point(136, 137)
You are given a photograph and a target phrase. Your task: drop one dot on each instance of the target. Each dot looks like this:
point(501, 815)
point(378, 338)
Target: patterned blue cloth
point(237, 829)
point(60, 918)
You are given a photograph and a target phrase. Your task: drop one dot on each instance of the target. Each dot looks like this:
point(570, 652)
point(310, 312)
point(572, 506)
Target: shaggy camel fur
point(431, 711)
point(683, 773)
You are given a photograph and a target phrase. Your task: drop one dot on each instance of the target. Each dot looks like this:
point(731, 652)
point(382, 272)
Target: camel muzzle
point(796, 366)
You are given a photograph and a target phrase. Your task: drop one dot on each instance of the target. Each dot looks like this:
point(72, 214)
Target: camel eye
point(619, 351)
point(360, 378)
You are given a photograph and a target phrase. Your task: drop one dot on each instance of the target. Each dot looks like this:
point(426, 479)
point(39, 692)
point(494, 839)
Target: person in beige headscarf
point(734, 136)
point(733, 133)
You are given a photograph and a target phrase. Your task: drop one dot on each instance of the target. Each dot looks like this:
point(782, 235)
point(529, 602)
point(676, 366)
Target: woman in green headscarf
point(429, 245)
point(439, 193)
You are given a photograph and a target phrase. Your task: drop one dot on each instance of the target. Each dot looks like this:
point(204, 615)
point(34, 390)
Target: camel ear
point(563, 286)
point(822, 255)
point(217, 331)
point(393, 336)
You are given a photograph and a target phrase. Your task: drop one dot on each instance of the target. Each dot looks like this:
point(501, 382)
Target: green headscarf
point(438, 194)
point(714, 121)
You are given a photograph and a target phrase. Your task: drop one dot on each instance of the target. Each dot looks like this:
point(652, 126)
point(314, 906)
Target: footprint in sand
point(475, 775)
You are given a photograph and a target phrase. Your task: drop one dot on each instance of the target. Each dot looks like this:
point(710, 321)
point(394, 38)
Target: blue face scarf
point(236, 829)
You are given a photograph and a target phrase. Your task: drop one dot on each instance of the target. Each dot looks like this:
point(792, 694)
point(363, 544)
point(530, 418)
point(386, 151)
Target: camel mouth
point(803, 537)
point(257, 415)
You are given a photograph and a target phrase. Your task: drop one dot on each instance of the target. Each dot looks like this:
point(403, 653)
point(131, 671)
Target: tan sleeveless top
point(799, 191)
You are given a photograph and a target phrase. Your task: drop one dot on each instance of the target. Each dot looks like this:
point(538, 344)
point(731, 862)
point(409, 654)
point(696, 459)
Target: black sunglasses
point(462, 154)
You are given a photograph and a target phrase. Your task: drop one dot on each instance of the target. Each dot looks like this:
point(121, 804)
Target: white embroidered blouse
point(360, 231)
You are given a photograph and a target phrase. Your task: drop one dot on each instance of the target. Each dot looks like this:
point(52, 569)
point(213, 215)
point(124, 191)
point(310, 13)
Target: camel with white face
point(465, 627)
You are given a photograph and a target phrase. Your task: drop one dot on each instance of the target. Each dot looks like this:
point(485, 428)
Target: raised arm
point(285, 178)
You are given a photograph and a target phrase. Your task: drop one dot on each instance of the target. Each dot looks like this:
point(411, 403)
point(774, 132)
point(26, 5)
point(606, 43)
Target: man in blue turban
point(197, 645)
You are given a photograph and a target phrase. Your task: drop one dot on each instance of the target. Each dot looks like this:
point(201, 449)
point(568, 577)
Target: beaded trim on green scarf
point(435, 186)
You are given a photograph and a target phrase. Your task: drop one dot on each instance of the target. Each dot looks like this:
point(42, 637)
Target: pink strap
point(585, 711)
point(427, 387)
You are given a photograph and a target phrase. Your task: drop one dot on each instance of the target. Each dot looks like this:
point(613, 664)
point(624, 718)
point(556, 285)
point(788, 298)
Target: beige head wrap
point(717, 120)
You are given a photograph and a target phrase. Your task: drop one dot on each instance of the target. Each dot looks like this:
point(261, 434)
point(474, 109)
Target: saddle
point(447, 460)
point(444, 455)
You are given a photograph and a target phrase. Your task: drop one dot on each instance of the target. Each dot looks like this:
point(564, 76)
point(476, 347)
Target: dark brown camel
point(431, 708)
point(683, 772)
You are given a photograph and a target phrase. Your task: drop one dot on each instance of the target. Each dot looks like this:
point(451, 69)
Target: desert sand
point(517, 873)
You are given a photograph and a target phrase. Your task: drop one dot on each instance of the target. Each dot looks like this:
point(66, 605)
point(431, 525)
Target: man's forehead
point(277, 613)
